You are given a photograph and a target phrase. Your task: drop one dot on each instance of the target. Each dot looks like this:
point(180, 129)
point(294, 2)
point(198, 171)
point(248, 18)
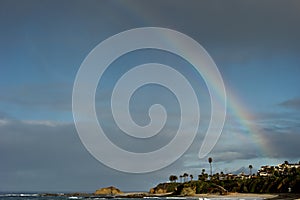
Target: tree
point(210, 161)
point(180, 178)
point(222, 175)
point(285, 171)
point(286, 162)
point(272, 170)
point(185, 175)
point(173, 178)
point(217, 176)
point(200, 177)
point(191, 176)
point(293, 170)
point(250, 169)
point(203, 176)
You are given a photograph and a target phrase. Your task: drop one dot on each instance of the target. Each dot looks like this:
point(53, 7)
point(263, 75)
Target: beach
point(238, 195)
point(231, 195)
point(146, 195)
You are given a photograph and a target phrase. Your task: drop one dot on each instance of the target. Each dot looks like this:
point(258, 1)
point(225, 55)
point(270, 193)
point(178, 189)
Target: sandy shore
point(279, 196)
point(233, 195)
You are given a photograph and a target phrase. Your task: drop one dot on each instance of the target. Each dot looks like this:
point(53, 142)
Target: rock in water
point(108, 191)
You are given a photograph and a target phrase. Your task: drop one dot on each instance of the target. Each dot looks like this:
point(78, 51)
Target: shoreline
point(147, 194)
point(270, 196)
point(236, 194)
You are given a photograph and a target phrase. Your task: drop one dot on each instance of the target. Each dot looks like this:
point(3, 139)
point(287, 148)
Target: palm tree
point(185, 175)
point(191, 176)
point(205, 176)
point(180, 178)
point(222, 175)
point(250, 169)
point(210, 161)
point(200, 177)
point(286, 162)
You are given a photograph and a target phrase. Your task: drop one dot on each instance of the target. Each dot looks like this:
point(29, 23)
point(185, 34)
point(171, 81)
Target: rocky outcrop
point(189, 188)
point(164, 188)
point(108, 191)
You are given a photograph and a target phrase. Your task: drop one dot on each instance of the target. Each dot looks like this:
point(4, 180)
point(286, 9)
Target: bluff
point(188, 189)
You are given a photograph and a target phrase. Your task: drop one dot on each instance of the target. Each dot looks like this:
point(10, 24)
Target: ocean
point(24, 196)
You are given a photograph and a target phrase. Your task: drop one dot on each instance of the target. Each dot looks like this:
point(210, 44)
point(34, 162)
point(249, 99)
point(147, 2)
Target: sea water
point(26, 196)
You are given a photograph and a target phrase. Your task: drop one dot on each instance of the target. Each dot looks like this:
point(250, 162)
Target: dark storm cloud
point(52, 96)
point(283, 145)
point(272, 136)
point(232, 31)
point(49, 39)
point(4, 115)
point(238, 150)
point(291, 103)
point(281, 136)
point(39, 152)
point(241, 30)
point(50, 156)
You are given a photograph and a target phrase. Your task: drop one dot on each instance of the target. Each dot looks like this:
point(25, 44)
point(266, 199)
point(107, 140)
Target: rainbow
point(246, 122)
point(244, 118)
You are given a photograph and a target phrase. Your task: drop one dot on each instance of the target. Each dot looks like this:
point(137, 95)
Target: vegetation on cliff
point(253, 185)
point(282, 179)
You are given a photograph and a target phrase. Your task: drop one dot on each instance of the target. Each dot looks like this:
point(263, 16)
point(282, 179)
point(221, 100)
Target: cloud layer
point(255, 45)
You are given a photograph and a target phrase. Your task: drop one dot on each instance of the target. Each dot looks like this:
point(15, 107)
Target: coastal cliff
point(188, 189)
point(283, 184)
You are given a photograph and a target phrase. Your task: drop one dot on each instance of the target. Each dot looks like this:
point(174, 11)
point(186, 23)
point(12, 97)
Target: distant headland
point(272, 182)
point(283, 178)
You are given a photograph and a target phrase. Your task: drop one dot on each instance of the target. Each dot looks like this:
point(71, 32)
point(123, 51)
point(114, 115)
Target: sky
point(255, 45)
